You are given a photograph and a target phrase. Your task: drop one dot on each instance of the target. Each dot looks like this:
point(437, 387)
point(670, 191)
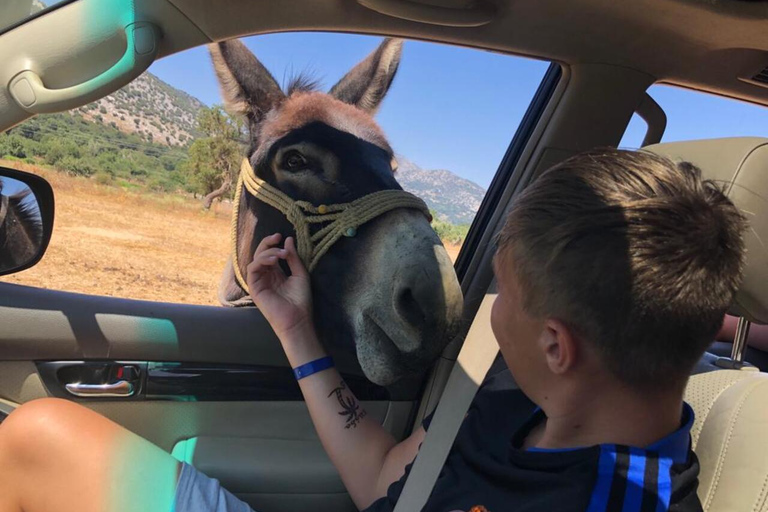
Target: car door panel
point(51, 325)
point(258, 468)
point(267, 453)
point(211, 377)
point(64, 325)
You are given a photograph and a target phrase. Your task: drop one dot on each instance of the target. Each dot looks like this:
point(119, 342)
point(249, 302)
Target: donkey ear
point(367, 83)
point(247, 87)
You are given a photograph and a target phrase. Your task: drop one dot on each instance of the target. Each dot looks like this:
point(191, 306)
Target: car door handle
point(121, 388)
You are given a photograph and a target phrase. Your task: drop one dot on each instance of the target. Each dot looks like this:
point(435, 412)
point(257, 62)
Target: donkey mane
point(303, 82)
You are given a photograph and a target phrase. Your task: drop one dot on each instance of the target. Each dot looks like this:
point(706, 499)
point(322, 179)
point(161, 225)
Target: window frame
point(36, 15)
point(509, 161)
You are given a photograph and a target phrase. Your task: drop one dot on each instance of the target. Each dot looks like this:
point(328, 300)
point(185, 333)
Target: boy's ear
point(560, 346)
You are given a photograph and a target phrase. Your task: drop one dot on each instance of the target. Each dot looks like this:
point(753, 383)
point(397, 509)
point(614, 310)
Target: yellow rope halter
point(339, 219)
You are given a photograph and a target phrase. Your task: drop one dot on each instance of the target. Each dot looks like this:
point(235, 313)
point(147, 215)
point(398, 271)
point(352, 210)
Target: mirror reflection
point(21, 224)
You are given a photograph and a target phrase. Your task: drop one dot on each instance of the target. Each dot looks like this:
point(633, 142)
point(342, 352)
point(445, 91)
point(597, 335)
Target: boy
point(614, 272)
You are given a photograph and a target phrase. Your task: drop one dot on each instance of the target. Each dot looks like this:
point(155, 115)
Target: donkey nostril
point(409, 308)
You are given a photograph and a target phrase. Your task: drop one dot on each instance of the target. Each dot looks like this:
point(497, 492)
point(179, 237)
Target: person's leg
point(58, 456)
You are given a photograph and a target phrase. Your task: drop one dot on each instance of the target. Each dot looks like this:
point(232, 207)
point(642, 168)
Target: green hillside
point(69, 143)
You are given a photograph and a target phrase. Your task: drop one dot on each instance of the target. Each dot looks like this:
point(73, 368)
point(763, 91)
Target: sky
point(450, 107)
point(12, 186)
point(697, 115)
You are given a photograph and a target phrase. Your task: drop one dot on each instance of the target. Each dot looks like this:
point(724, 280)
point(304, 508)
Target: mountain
point(150, 108)
point(453, 198)
point(158, 113)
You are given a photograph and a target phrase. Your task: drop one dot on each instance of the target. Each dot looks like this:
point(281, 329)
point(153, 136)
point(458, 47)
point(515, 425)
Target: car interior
point(241, 418)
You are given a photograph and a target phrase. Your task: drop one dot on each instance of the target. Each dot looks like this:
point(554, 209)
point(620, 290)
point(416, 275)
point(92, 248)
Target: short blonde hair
point(637, 254)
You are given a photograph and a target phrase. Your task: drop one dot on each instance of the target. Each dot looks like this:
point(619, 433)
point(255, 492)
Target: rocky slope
point(455, 199)
point(149, 108)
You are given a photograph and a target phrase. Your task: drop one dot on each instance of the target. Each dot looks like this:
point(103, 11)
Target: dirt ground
point(110, 241)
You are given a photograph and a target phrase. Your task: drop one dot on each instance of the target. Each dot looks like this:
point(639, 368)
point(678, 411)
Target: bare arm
point(366, 456)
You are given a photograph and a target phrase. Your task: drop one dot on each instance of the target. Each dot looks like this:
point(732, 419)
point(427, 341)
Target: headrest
point(741, 165)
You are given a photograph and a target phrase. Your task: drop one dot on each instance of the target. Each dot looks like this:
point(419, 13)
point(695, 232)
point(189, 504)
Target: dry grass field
point(138, 245)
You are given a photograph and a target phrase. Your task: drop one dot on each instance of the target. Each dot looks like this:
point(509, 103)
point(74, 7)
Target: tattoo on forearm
point(349, 406)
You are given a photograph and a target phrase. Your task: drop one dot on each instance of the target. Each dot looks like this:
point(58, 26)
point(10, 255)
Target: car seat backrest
point(730, 437)
point(730, 432)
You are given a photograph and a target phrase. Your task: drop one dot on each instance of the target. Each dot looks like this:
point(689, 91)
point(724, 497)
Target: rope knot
point(295, 214)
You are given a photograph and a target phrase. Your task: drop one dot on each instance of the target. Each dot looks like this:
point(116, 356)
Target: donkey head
point(389, 293)
point(21, 230)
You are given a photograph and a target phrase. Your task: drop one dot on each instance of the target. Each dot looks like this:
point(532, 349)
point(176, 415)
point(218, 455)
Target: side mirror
point(26, 219)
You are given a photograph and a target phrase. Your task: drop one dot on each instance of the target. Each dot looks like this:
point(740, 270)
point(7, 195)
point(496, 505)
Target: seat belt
point(474, 361)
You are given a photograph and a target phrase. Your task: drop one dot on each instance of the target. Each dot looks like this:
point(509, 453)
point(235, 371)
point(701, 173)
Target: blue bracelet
point(311, 367)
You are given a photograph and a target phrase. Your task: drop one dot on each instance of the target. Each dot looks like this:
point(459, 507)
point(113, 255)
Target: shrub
point(103, 178)
point(54, 153)
point(152, 151)
point(76, 166)
point(158, 184)
point(169, 163)
point(54, 149)
point(38, 149)
point(449, 233)
point(9, 146)
point(14, 145)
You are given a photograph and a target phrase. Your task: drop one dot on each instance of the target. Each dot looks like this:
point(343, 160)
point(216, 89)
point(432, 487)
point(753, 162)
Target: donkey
point(389, 291)
point(21, 230)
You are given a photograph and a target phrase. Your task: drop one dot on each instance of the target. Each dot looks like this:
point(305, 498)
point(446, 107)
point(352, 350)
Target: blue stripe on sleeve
point(665, 484)
point(633, 496)
point(605, 469)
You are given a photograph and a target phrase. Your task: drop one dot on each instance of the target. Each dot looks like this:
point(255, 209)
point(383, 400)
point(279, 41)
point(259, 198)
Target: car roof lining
point(662, 38)
point(658, 38)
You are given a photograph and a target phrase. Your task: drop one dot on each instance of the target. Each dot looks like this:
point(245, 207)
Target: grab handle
point(480, 14)
point(32, 95)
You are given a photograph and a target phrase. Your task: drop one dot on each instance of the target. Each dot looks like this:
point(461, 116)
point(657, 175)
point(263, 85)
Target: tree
point(214, 160)
point(447, 232)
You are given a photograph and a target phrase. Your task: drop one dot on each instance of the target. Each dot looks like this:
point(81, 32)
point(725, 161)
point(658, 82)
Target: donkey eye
point(294, 161)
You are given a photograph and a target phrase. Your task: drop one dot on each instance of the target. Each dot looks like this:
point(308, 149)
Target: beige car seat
point(730, 433)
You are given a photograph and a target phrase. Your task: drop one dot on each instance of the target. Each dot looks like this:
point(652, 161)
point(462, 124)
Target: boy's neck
point(619, 416)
